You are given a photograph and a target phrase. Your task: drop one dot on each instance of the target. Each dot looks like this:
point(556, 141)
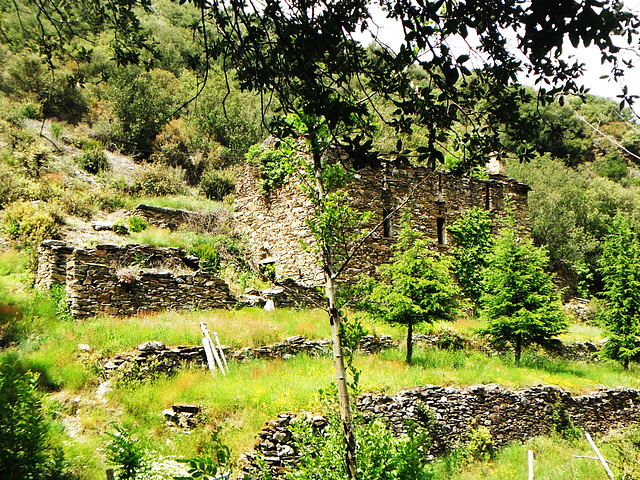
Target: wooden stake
point(600, 457)
point(207, 351)
point(205, 332)
point(224, 359)
point(530, 455)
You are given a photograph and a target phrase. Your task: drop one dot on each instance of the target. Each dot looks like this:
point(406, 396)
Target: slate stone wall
point(509, 415)
point(95, 288)
point(164, 278)
point(275, 224)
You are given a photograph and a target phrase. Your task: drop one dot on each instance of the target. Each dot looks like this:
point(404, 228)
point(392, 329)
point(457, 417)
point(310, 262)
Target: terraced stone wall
point(509, 415)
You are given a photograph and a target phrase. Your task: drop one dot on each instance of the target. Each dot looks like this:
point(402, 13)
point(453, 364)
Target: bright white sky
point(392, 34)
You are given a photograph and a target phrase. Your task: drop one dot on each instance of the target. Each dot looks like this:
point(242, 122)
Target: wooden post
point(224, 359)
point(530, 455)
point(110, 474)
point(600, 457)
point(207, 352)
point(205, 332)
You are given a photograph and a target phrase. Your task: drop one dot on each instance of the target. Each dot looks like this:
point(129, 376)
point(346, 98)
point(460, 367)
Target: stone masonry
point(509, 416)
point(275, 223)
point(156, 279)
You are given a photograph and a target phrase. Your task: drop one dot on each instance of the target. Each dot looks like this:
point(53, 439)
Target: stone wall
point(52, 264)
point(275, 224)
point(509, 415)
point(94, 288)
point(172, 218)
point(157, 279)
point(169, 359)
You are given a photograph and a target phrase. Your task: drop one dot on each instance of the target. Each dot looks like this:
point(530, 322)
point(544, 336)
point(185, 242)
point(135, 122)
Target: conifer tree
point(620, 268)
point(520, 301)
point(472, 244)
point(415, 287)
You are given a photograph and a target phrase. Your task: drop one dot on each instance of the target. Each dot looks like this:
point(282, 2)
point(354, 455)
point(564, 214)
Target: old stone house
point(276, 228)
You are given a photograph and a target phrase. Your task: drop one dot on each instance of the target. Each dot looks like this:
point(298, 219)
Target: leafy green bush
point(93, 161)
point(216, 187)
point(126, 452)
point(26, 435)
point(209, 256)
point(137, 224)
point(30, 224)
point(381, 455)
point(274, 165)
point(158, 180)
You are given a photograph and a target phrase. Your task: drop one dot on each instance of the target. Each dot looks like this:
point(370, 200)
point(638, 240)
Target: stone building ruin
point(276, 228)
point(128, 279)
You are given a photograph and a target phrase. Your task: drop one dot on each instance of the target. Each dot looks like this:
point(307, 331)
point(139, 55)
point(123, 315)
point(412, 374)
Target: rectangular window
point(442, 237)
point(386, 223)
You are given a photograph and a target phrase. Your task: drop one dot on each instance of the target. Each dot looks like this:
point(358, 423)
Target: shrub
point(216, 187)
point(158, 180)
point(137, 224)
point(26, 448)
point(119, 228)
point(10, 186)
point(381, 455)
point(30, 224)
point(126, 452)
point(93, 161)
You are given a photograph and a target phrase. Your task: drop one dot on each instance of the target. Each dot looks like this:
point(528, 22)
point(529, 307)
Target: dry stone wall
point(159, 278)
point(509, 415)
point(93, 288)
point(172, 218)
point(275, 224)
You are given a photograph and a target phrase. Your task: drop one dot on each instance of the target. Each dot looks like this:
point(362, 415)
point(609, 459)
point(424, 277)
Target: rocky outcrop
point(450, 412)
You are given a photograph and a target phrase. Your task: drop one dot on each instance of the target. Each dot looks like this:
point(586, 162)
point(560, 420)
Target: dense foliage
point(620, 268)
point(520, 301)
point(28, 447)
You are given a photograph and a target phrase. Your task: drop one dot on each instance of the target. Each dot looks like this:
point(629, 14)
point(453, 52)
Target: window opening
point(386, 223)
point(442, 239)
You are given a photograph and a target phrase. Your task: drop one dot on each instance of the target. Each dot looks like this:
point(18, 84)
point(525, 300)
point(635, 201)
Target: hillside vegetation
point(85, 138)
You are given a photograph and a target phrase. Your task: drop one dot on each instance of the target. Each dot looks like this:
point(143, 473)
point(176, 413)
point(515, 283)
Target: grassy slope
point(255, 391)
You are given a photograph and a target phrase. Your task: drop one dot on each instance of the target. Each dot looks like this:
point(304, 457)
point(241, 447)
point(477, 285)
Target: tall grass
point(182, 202)
point(554, 458)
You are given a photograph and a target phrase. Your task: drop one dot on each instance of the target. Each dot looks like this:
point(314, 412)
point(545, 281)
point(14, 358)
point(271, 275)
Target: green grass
point(554, 458)
point(194, 203)
point(256, 391)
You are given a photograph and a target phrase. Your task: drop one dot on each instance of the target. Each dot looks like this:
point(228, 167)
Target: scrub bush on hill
point(27, 449)
point(158, 180)
point(30, 224)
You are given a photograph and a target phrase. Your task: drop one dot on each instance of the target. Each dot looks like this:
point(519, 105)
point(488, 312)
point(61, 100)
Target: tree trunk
point(409, 342)
point(328, 262)
point(626, 363)
point(518, 350)
point(341, 381)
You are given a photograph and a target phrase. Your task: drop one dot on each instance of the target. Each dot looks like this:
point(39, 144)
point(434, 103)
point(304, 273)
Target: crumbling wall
point(509, 415)
point(52, 264)
point(275, 223)
point(94, 286)
point(158, 279)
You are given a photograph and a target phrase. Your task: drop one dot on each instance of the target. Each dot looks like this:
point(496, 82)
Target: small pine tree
point(472, 244)
point(620, 268)
point(416, 287)
point(520, 301)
